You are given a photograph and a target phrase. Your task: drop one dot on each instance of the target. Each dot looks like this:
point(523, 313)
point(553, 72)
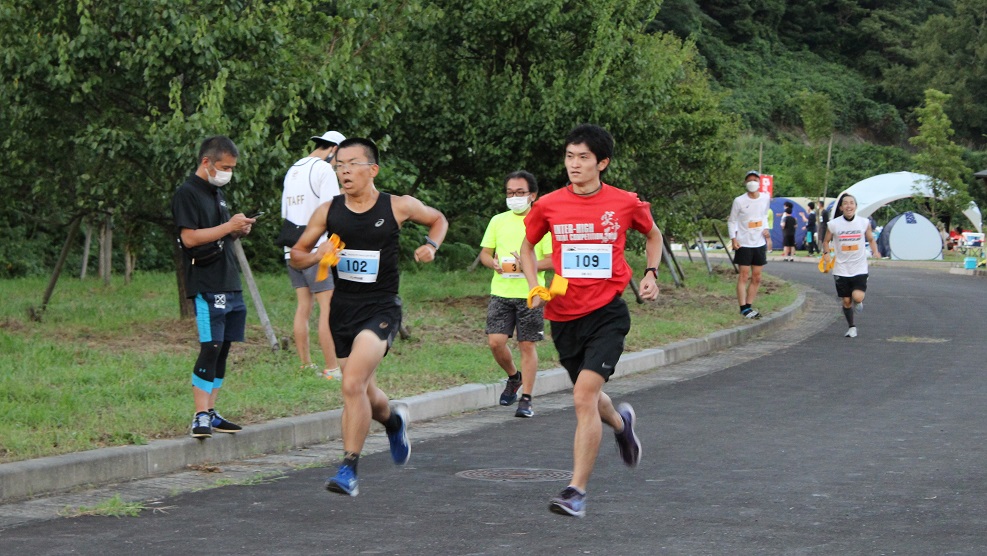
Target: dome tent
point(910, 237)
point(877, 191)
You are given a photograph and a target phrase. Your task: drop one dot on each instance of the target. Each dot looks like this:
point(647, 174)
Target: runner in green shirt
point(508, 309)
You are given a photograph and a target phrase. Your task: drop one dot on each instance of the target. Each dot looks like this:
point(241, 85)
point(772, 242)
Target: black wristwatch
point(653, 270)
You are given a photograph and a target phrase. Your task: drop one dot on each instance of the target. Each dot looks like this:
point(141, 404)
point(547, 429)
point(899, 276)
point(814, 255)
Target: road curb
point(24, 479)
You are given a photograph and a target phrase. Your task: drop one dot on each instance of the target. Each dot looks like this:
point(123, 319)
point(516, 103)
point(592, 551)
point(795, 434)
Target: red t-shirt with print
point(588, 237)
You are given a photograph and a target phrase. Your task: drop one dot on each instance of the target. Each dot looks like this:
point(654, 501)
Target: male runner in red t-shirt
point(588, 221)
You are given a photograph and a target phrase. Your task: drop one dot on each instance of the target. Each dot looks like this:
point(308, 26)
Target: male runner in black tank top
point(365, 314)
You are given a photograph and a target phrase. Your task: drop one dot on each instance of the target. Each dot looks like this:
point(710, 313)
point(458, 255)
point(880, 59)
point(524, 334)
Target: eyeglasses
point(340, 166)
point(517, 193)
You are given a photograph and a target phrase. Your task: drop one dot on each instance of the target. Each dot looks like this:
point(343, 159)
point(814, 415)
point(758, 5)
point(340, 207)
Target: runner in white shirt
point(747, 227)
point(310, 182)
point(850, 235)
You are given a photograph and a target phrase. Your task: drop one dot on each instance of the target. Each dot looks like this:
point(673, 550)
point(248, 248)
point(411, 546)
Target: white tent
point(877, 191)
point(910, 237)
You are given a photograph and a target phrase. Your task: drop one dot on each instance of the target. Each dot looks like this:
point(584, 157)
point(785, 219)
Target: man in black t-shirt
point(206, 232)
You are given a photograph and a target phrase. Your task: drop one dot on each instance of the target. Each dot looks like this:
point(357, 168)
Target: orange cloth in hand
point(331, 258)
point(558, 287)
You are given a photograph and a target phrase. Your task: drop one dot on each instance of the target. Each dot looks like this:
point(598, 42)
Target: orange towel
point(331, 258)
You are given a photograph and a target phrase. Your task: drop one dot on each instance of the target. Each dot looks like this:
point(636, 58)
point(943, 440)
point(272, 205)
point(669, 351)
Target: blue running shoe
point(400, 445)
point(569, 502)
point(344, 482)
point(627, 442)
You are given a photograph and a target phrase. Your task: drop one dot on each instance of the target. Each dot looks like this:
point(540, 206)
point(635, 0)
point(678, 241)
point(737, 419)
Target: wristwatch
point(653, 270)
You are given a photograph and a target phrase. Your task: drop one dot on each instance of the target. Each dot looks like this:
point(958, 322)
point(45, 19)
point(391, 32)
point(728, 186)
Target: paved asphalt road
point(802, 443)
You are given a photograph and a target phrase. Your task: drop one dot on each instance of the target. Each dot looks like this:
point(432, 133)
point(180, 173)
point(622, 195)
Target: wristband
point(430, 241)
point(651, 269)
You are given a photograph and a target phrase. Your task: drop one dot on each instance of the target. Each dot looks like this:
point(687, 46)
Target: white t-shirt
point(309, 183)
point(850, 244)
point(748, 220)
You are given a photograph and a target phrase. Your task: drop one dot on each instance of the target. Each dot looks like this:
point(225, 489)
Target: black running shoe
point(201, 427)
point(509, 395)
point(222, 425)
point(524, 409)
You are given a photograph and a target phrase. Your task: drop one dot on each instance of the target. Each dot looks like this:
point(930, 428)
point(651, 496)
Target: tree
point(818, 118)
point(949, 53)
point(489, 87)
point(109, 101)
point(940, 159)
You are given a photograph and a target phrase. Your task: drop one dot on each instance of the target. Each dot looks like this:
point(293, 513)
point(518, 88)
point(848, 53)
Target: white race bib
point(587, 260)
point(356, 265)
point(511, 268)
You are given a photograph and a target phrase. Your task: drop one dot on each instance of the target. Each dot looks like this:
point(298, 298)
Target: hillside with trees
point(104, 105)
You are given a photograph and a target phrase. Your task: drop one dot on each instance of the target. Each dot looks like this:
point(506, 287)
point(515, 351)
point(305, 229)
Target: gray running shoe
point(627, 441)
point(569, 502)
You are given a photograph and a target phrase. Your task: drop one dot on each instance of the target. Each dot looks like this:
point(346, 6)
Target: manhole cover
point(515, 474)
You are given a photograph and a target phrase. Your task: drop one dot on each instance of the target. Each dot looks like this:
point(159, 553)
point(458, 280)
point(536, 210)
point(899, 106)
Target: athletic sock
point(848, 313)
point(526, 397)
point(352, 460)
point(516, 377)
point(744, 308)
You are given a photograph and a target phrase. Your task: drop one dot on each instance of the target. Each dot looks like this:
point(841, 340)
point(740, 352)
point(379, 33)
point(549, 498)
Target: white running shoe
point(851, 332)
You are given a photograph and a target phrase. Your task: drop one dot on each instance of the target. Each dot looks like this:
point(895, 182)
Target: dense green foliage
point(104, 104)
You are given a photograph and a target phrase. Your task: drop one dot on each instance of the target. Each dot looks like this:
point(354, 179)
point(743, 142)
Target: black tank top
point(371, 250)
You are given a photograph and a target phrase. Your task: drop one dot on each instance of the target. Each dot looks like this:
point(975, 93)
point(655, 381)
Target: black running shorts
point(593, 342)
point(845, 285)
point(350, 316)
point(751, 256)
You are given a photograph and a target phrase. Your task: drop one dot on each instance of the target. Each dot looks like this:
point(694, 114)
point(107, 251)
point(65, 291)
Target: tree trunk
point(73, 229)
point(129, 262)
point(85, 251)
point(106, 250)
point(248, 276)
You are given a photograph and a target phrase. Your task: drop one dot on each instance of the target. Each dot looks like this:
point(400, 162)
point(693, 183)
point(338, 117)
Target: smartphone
point(256, 214)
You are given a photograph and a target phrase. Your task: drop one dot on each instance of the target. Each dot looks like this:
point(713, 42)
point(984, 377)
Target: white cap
point(333, 137)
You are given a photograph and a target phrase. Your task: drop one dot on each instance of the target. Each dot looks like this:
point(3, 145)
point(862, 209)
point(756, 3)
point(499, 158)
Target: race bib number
point(587, 261)
point(755, 224)
point(849, 247)
point(357, 265)
point(511, 268)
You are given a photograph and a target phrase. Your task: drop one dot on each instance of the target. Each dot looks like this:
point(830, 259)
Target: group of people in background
point(333, 211)
point(850, 234)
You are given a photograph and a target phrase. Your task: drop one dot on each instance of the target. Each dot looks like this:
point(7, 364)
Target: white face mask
point(518, 204)
point(752, 186)
point(221, 178)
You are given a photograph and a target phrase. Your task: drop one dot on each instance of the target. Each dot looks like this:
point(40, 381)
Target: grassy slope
point(111, 365)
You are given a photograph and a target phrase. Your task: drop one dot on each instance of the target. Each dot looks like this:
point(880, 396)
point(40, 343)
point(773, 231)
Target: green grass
point(113, 507)
point(111, 365)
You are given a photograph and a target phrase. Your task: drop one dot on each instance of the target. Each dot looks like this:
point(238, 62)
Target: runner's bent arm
point(407, 207)
point(302, 256)
point(652, 250)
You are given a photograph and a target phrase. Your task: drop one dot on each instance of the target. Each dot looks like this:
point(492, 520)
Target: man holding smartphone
point(213, 281)
point(310, 182)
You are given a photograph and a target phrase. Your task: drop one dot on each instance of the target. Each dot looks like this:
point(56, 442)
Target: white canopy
point(877, 191)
